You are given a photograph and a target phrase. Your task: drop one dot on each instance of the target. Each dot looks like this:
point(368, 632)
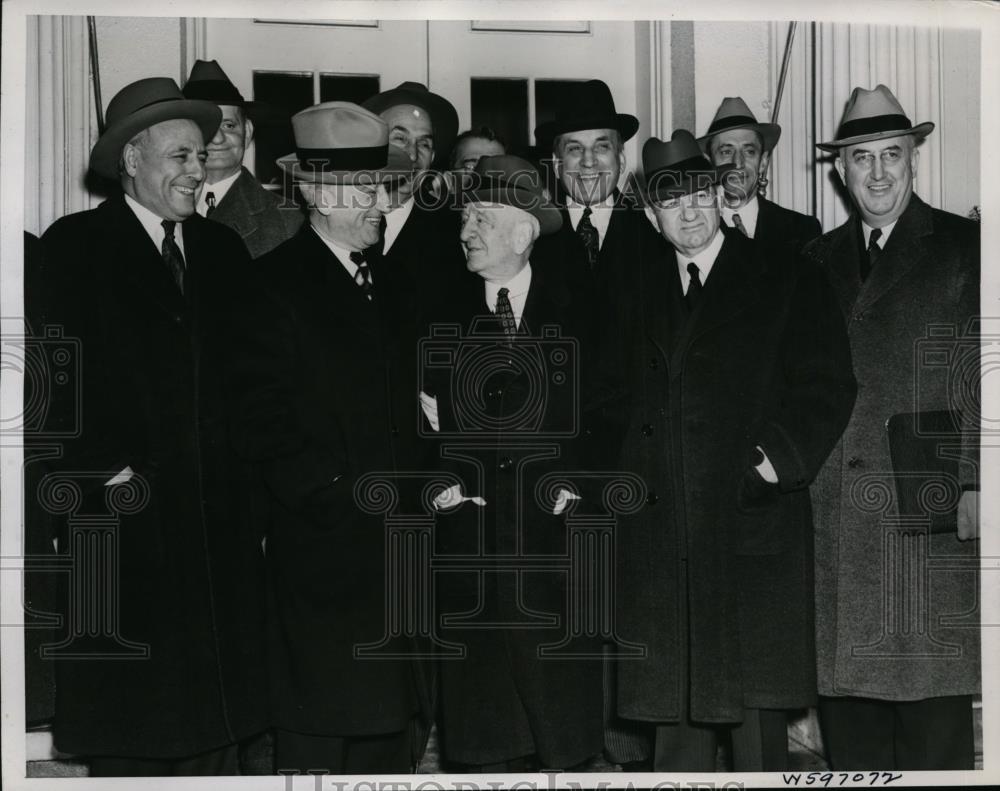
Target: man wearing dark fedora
point(325, 393)
point(420, 236)
point(735, 137)
point(231, 195)
point(146, 284)
point(601, 228)
point(733, 384)
point(896, 693)
point(505, 707)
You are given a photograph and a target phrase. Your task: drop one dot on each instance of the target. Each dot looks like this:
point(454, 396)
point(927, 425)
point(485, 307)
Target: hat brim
point(920, 131)
point(107, 151)
point(397, 166)
point(626, 125)
point(548, 215)
point(769, 134)
point(444, 116)
point(665, 185)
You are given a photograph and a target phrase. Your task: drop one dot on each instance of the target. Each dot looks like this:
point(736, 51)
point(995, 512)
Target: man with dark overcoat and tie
point(231, 195)
point(325, 393)
point(168, 681)
point(734, 383)
point(735, 137)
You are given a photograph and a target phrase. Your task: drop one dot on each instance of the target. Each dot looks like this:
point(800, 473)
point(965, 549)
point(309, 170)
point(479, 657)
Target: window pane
point(286, 93)
point(503, 106)
point(347, 87)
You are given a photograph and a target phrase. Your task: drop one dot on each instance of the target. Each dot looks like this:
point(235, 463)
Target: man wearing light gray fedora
point(898, 662)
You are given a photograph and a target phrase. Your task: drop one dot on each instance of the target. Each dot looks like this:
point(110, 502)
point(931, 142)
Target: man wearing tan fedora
point(899, 663)
point(231, 195)
point(735, 137)
point(146, 285)
point(505, 706)
point(733, 383)
point(326, 392)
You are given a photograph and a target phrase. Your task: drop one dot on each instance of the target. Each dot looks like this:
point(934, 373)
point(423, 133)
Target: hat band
point(218, 91)
point(320, 159)
point(729, 122)
point(874, 125)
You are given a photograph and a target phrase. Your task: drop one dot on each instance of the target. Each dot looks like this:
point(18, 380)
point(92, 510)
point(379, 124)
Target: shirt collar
point(343, 253)
point(153, 223)
point(607, 203)
point(218, 189)
point(748, 215)
point(866, 229)
point(395, 220)
point(704, 260)
point(517, 287)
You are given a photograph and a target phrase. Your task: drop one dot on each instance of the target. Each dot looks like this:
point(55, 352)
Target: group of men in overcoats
point(292, 392)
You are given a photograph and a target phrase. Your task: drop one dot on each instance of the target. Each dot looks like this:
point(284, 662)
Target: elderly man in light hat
point(897, 672)
point(735, 137)
point(506, 707)
point(734, 383)
point(325, 394)
point(166, 685)
point(231, 195)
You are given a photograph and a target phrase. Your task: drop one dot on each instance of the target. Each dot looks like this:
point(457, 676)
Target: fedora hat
point(585, 105)
point(342, 143)
point(874, 115)
point(678, 167)
point(209, 82)
point(512, 181)
point(733, 113)
point(444, 117)
point(140, 105)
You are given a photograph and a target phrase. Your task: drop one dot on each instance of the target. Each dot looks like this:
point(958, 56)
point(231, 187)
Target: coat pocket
point(760, 526)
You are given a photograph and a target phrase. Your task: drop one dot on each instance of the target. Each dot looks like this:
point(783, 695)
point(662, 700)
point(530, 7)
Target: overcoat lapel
point(235, 210)
point(659, 282)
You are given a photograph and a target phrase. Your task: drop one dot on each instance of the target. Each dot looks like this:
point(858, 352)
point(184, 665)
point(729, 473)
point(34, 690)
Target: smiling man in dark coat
point(897, 676)
point(734, 384)
point(145, 284)
point(322, 398)
point(734, 137)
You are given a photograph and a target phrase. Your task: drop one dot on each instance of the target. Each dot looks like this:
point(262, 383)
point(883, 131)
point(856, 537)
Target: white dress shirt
point(748, 215)
point(705, 260)
point(154, 225)
point(343, 253)
point(394, 222)
point(600, 214)
point(218, 189)
point(517, 288)
point(866, 229)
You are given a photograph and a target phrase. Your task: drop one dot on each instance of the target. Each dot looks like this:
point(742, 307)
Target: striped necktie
point(172, 255)
point(363, 277)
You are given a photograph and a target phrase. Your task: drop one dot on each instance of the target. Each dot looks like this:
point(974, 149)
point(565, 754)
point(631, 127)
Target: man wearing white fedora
point(735, 137)
point(145, 284)
point(898, 663)
point(324, 396)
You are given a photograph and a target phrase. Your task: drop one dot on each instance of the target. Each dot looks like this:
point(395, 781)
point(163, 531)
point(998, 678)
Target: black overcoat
point(191, 566)
point(502, 701)
point(323, 397)
point(763, 361)
point(777, 225)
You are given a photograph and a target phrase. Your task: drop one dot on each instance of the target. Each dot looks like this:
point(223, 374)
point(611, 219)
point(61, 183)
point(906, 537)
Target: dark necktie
point(381, 233)
point(505, 313)
point(363, 277)
point(874, 251)
point(171, 253)
point(210, 200)
point(694, 287)
point(589, 236)
point(738, 223)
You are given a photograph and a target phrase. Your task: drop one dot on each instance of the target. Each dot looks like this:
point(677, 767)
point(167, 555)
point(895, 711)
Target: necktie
point(363, 277)
point(171, 253)
point(739, 225)
point(210, 200)
point(506, 313)
point(381, 233)
point(874, 251)
point(694, 287)
point(588, 235)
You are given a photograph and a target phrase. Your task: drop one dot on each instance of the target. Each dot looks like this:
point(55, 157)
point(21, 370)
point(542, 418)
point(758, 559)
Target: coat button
point(652, 498)
point(855, 462)
point(647, 430)
point(505, 464)
point(859, 316)
point(654, 363)
point(394, 431)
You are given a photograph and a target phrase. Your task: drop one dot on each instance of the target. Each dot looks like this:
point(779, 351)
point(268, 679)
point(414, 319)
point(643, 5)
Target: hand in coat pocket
point(760, 527)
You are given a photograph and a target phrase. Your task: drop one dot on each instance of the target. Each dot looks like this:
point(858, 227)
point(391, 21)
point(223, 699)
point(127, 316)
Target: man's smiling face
point(166, 167)
point(589, 163)
point(879, 176)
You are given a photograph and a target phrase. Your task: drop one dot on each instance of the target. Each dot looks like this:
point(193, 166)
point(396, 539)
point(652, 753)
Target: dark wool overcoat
point(324, 394)
point(263, 219)
point(777, 225)
point(763, 360)
point(189, 586)
point(878, 637)
point(503, 700)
